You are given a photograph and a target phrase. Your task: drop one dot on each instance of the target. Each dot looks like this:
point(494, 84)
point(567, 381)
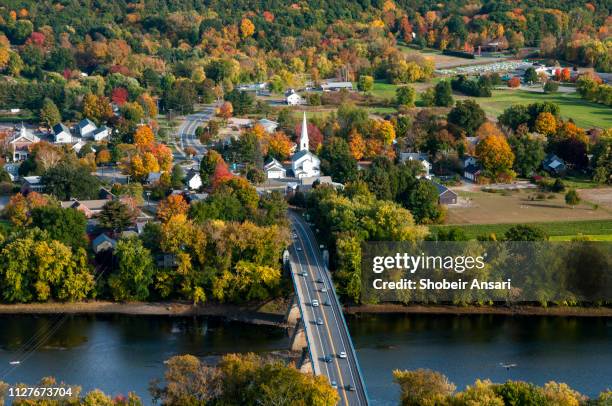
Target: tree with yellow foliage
point(144, 137)
point(247, 28)
point(97, 108)
point(173, 205)
point(496, 156)
point(385, 131)
point(546, 123)
point(150, 163)
point(279, 146)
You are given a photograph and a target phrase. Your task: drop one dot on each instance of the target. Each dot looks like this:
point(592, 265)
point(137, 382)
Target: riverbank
point(248, 314)
point(458, 310)
point(273, 313)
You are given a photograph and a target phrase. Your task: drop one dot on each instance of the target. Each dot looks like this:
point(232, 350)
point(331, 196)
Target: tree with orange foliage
point(144, 137)
point(103, 156)
point(514, 82)
point(268, 16)
point(357, 144)
point(190, 151)
point(148, 104)
point(546, 123)
point(173, 205)
point(496, 156)
point(279, 146)
point(18, 209)
point(247, 28)
point(221, 174)
point(488, 129)
point(226, 110)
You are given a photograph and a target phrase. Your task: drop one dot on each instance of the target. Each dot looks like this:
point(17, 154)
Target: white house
point(100, 133)
point(422, 158)
point(268, 125)
point(193, 180)
point(274, 169)
point(86, 127)
point(304, 163)
point(469, 160)
point(61, 134)
point(293, 99)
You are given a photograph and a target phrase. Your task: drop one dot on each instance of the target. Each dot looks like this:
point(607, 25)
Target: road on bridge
point(326, 330)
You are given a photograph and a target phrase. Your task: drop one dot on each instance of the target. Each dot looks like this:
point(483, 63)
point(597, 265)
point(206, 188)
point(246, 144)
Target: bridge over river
point(317, 315)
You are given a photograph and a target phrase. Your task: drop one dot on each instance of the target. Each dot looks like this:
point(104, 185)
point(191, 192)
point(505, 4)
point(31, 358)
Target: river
point(122, 353)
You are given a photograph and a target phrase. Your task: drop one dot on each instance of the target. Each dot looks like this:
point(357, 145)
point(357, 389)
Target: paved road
point(186, 131)
point(332, 337)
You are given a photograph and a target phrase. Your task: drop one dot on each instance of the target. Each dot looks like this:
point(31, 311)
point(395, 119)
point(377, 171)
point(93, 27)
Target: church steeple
point(304, 135)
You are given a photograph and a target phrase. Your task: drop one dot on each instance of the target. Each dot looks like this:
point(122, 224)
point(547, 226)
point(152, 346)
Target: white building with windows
point(293, 99)
point(274, 169)
point(61, 134)
point(304, 163)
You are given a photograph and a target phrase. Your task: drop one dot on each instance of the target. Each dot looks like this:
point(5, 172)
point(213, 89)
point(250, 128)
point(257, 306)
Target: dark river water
point(122, 353)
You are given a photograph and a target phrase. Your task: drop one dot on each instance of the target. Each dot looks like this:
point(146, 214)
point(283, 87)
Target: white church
point(304, 163)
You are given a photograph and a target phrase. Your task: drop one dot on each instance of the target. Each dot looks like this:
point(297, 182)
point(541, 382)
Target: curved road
point(329, 337)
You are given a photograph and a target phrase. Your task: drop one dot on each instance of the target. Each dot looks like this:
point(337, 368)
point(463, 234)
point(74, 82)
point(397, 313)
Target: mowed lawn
point(598, 230)
point(584, 113)
point(482, 213)
point(516, 207)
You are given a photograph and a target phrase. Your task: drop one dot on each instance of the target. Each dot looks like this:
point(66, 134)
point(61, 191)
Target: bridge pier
point(293, 314)
point(298, 337)
point(305, 364)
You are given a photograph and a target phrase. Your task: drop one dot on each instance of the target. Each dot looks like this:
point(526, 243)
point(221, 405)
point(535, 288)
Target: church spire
point(304, 135)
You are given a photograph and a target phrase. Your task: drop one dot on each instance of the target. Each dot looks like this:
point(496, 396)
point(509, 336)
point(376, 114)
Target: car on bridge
point(342, 355)
point(319, 322)
point(320, 280)
point(315, 303)
point(334, 384)
point(304, 274)
point(350, 388)
point(327, 358)
point(323, 289)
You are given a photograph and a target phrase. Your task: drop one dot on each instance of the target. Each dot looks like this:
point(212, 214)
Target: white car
point(315, 303)
point(299, 248)
point(342, 355)
point(324, 290)
point(334, 384)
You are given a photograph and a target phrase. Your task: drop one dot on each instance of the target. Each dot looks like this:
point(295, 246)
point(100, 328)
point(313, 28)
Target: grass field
point(477, 207)
point(600, 230)
point(584, 113)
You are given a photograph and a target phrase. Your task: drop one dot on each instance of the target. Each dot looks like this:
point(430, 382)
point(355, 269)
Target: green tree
point(405, 96)
point(134, 272)
point(337, 160)
point(528, 153)
point(443, 94)
point(466, 117)
point(531, 76)
point(65, 225)
point(365, 83)
point(523, 232)
point(68, 180)
point(49, 113)
point(242, 102)
point(177, 176)
point(572, 198)
point(423, 203)
point(116, 216)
